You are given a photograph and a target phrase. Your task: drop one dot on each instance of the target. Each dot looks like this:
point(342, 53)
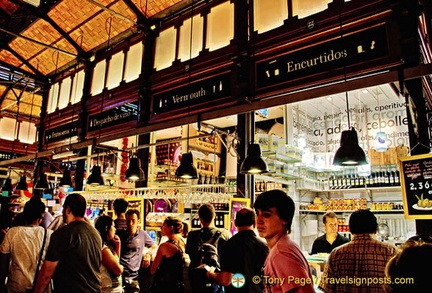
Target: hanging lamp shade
point(186, 169)
point(66, 180)
point(134, 172)
point(95, 177)
point(253, 163)
point(42, 183)
point(349, 152)
point(22, 184)
point(7, 187)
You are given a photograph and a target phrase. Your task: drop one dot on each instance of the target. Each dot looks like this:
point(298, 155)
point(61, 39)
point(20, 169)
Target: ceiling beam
point(42, 13)
point(142, 18)
point(16, 71)
point(39, 74)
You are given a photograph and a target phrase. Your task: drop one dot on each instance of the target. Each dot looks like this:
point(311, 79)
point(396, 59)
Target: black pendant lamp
point(186, 170)
point(22, 184)
point(253, 163)
point(95, 177)
point(7, 187)
point(134, 172)
point(66, 180)
point(349, 152)
point(42, 183)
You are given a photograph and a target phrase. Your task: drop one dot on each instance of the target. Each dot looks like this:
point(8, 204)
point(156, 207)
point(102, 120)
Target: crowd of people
point(74, 255)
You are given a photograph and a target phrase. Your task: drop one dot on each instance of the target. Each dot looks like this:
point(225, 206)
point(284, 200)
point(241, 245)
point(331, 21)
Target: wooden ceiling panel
point(70, 14)
point(52, 59)
point(43, 32)
point(95, 31)
point(29, 105)
point(152, 7)
point(122, 9)
point(26, 48)
point(9, 58)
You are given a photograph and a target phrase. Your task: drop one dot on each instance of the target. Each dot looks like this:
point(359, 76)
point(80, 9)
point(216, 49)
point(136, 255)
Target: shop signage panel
point(416, 183)
point(192, 94)
point(61, 132)
point(112, 117)
point(350, 49)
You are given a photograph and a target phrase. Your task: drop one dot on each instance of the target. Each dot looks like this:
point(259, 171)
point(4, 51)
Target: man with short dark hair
point(331, 239)
point(208, 232)
point(275, 212)
point(360, 262)
point(244, 253)
point(74, 255)
point(21, 249)
point(133, 253)
point(120, 206)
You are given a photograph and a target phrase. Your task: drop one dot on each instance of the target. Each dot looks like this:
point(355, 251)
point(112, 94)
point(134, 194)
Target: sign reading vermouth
point(192, 94)
point(347, 50)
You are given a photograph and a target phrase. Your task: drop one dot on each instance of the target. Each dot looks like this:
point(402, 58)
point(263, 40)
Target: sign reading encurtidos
point(118, 115)
point(192, 94)
point(347, 50)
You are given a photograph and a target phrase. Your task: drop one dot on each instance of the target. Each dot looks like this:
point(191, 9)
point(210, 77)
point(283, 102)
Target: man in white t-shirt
point(21, 247)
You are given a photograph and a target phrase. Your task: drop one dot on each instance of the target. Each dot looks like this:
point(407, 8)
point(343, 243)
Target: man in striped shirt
point(358, 266)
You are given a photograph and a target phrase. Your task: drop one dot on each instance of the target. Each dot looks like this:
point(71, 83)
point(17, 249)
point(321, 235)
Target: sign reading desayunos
point(350, 49)
point(416, 183)
point(192, 94)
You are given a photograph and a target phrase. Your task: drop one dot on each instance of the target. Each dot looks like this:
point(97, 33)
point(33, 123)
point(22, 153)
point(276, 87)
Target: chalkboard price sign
point(416, 183)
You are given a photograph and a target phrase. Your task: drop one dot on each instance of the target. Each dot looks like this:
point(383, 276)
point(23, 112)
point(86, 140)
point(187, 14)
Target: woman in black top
point(168, 264)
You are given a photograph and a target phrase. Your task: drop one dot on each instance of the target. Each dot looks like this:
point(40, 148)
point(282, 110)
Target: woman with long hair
point(169, 261)
point(111, 269)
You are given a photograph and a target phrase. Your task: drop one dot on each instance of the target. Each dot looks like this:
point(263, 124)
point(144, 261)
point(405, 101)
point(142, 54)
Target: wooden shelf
point(280, 157)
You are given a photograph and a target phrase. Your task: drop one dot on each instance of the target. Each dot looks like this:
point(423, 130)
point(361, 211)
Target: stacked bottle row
point(261, 186)
point(375, 179)
point(166, 154)
point(219, 221)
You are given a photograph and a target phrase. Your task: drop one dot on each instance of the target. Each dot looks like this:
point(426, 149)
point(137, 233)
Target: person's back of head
point(33, 210)
point(363, 222)
point(408, 269)
point(281, 201)
point(120, 206)
point(245, 217)
point(77, 204)
point(103, 224)
point(206, 213)
point(176, 223)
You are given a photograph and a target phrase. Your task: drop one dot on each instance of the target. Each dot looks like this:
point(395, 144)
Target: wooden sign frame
point(416, 184)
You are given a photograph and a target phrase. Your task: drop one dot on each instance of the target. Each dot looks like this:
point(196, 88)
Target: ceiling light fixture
point(253, 163)
point(349, 152)
point(187, 170)
point(22, 184)
point(95, 177)
point(42, 183)
point(66, 180)
point(134, 172)
point(7, 187)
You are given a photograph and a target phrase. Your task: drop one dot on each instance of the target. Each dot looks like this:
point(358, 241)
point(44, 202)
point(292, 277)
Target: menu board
point(416, 183)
